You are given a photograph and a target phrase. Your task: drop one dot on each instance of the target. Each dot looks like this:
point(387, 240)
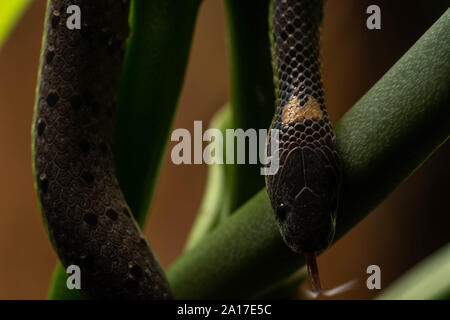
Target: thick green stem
point(429, 280)
point(154, 69)
point(209, 214)
point(252, 92)
point(381, 140)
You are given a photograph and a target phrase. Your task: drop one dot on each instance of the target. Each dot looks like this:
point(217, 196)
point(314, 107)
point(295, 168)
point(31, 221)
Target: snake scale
point(304, 192)
point(85, 212)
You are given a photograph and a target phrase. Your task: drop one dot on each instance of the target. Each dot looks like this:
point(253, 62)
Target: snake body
point(85, 211)
point(304, 192)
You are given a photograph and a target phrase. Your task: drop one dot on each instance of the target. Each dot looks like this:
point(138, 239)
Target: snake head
point(304, 197)
point(307, 225)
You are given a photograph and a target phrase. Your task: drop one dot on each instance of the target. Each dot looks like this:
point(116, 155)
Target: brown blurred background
point(413, 222)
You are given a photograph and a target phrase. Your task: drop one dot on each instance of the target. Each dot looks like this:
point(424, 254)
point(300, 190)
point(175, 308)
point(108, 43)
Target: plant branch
point(428, 280)
point(154, 69)
point(252, 92)
point(213, 202)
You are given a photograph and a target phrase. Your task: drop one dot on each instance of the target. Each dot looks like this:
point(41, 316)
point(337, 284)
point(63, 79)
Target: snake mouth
point(289, 238)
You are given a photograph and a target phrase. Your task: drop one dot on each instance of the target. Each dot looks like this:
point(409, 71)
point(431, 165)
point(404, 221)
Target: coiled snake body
point(85, 211)
point(87, 217)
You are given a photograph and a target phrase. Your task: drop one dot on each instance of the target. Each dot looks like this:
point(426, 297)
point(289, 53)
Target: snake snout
point(308, 234)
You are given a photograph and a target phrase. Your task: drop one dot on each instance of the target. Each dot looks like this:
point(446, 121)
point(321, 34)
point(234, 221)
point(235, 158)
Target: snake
point(304, 191)
point(84, 210)
point(88, 220)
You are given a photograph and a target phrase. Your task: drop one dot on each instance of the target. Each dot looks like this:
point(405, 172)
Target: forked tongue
point(317, 290)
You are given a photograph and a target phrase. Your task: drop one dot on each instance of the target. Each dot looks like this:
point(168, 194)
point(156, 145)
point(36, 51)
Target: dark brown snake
point(304, 192)
point(88, 219)
point(84, 209)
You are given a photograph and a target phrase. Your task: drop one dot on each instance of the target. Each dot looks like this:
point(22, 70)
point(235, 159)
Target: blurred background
point(410, 224)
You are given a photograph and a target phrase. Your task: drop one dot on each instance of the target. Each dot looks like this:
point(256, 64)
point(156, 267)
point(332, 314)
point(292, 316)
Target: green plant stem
point(154, 69)
point(428, 280)
point(58, 287)
point(212, 204)
point(252, 92)
point(381, 140)
point(252, 103)
point(287, 288)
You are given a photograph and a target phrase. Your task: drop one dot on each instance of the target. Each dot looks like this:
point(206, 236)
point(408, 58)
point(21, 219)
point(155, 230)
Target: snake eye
point(281, 211)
